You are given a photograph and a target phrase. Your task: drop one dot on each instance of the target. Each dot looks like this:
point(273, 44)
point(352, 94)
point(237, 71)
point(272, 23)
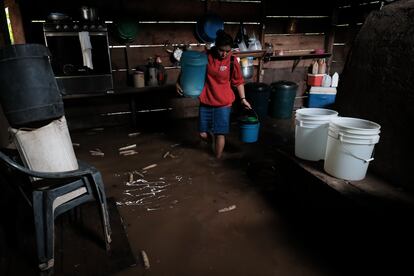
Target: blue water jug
point(193, 72)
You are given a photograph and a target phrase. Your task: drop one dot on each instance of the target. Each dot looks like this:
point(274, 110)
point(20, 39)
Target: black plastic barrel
point(257, 94)
point(282, 98)
point(28, 89)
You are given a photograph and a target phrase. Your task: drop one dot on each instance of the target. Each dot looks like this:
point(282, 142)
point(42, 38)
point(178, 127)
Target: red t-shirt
point(217, 88)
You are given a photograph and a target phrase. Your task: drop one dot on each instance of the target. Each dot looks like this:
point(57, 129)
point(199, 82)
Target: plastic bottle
point(335, 80)
point(321, 66)
point(161, 74)
point(315, 68)
point(152, 73)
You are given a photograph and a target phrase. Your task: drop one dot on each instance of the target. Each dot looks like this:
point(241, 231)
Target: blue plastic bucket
point(207, 27)
point(249, 133)
point(249, 127)
point(193, 72)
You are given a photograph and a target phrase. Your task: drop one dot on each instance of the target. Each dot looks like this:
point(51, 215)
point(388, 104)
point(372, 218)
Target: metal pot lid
point(57, 16)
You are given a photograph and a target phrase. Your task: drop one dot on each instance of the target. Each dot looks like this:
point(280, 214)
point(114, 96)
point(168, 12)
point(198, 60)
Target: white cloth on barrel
point(86, 47)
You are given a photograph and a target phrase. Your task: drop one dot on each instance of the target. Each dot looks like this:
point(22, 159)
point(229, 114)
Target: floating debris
point(166, 154)
point(76, 144)
point(96, 152)
point(175, 145)
point(227, 209)
point(134, 134)
point(128, 147)
point(128, 152)
point(138, 173)
point(145, 259)
point(151, 195)
point(97, 129)
point(149, 167)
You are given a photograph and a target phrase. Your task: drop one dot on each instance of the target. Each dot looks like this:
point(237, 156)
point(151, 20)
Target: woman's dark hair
point(223, 39)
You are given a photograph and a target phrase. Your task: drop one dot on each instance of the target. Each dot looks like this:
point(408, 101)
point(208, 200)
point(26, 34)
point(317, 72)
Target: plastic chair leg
point(44, 231)
point(101, 197)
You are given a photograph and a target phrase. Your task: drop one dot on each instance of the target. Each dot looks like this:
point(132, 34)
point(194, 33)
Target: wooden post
point(262, 39)
point(16, 22)
point(207, 6)
point(4, 31)
point(330, 38)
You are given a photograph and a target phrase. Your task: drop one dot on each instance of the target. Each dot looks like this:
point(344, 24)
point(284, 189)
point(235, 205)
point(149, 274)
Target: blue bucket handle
point(251, 111)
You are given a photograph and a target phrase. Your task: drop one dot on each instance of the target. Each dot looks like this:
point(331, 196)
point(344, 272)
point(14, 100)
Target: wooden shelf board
point(304, 56)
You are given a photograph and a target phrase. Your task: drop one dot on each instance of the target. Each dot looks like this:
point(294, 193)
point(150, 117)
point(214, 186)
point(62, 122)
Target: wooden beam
point(330, 37)
point(16, 21)
point(4, 31)
point(262, 39)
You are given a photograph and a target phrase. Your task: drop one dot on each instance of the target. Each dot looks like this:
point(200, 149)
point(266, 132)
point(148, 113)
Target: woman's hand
point(246, 104)
point(179, 89)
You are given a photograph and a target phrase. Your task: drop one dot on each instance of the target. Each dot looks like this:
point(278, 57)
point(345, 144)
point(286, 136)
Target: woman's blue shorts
point(214, 119)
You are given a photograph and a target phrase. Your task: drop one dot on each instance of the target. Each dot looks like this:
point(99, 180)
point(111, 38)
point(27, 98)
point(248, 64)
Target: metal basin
point(247, 71)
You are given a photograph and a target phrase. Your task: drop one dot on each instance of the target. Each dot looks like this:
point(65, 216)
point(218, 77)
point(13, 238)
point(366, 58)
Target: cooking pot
point(57, 16)
point(247, 71)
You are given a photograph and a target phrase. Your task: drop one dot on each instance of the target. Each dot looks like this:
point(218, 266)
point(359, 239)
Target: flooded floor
point(194, 215)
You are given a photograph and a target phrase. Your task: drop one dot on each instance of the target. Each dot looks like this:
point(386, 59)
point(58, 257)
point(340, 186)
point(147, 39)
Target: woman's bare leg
point(220, 141)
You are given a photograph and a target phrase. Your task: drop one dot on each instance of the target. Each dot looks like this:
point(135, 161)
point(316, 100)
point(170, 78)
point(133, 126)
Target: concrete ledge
point(371, 191)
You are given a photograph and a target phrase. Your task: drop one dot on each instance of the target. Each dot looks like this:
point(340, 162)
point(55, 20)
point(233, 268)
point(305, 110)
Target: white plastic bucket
point(350, 147)
point(355, 126)
point(311, 132)
point(46, 149)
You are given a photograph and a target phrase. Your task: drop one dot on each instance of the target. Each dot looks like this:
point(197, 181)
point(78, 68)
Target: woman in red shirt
point(223, 71)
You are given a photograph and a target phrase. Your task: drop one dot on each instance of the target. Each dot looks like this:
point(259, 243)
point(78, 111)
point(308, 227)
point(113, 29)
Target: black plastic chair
point(55, 194)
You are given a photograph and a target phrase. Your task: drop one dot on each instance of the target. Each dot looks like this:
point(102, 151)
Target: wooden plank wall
point(168, 22)
point(311, 29)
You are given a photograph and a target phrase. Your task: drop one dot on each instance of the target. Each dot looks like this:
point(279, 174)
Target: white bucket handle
point(326, 124)
point(353, 155)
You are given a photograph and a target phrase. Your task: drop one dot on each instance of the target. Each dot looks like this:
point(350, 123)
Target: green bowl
point(127, 29)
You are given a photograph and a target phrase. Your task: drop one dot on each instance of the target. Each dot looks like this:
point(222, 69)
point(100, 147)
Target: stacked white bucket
point(350, 147)
point(311, 132)
point(346, 144)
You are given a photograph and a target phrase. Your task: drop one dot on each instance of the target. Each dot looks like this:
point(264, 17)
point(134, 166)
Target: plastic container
point(315, 79)
point(207, 27)
point(257, 94)
point(193, 72)
point(249, 128)
point(28, 89)
point(350, 147)
point(311, 132)
point(127, 29)
point(282, 98)
point(321, 97)
point(46, 149)
point(139, 79)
